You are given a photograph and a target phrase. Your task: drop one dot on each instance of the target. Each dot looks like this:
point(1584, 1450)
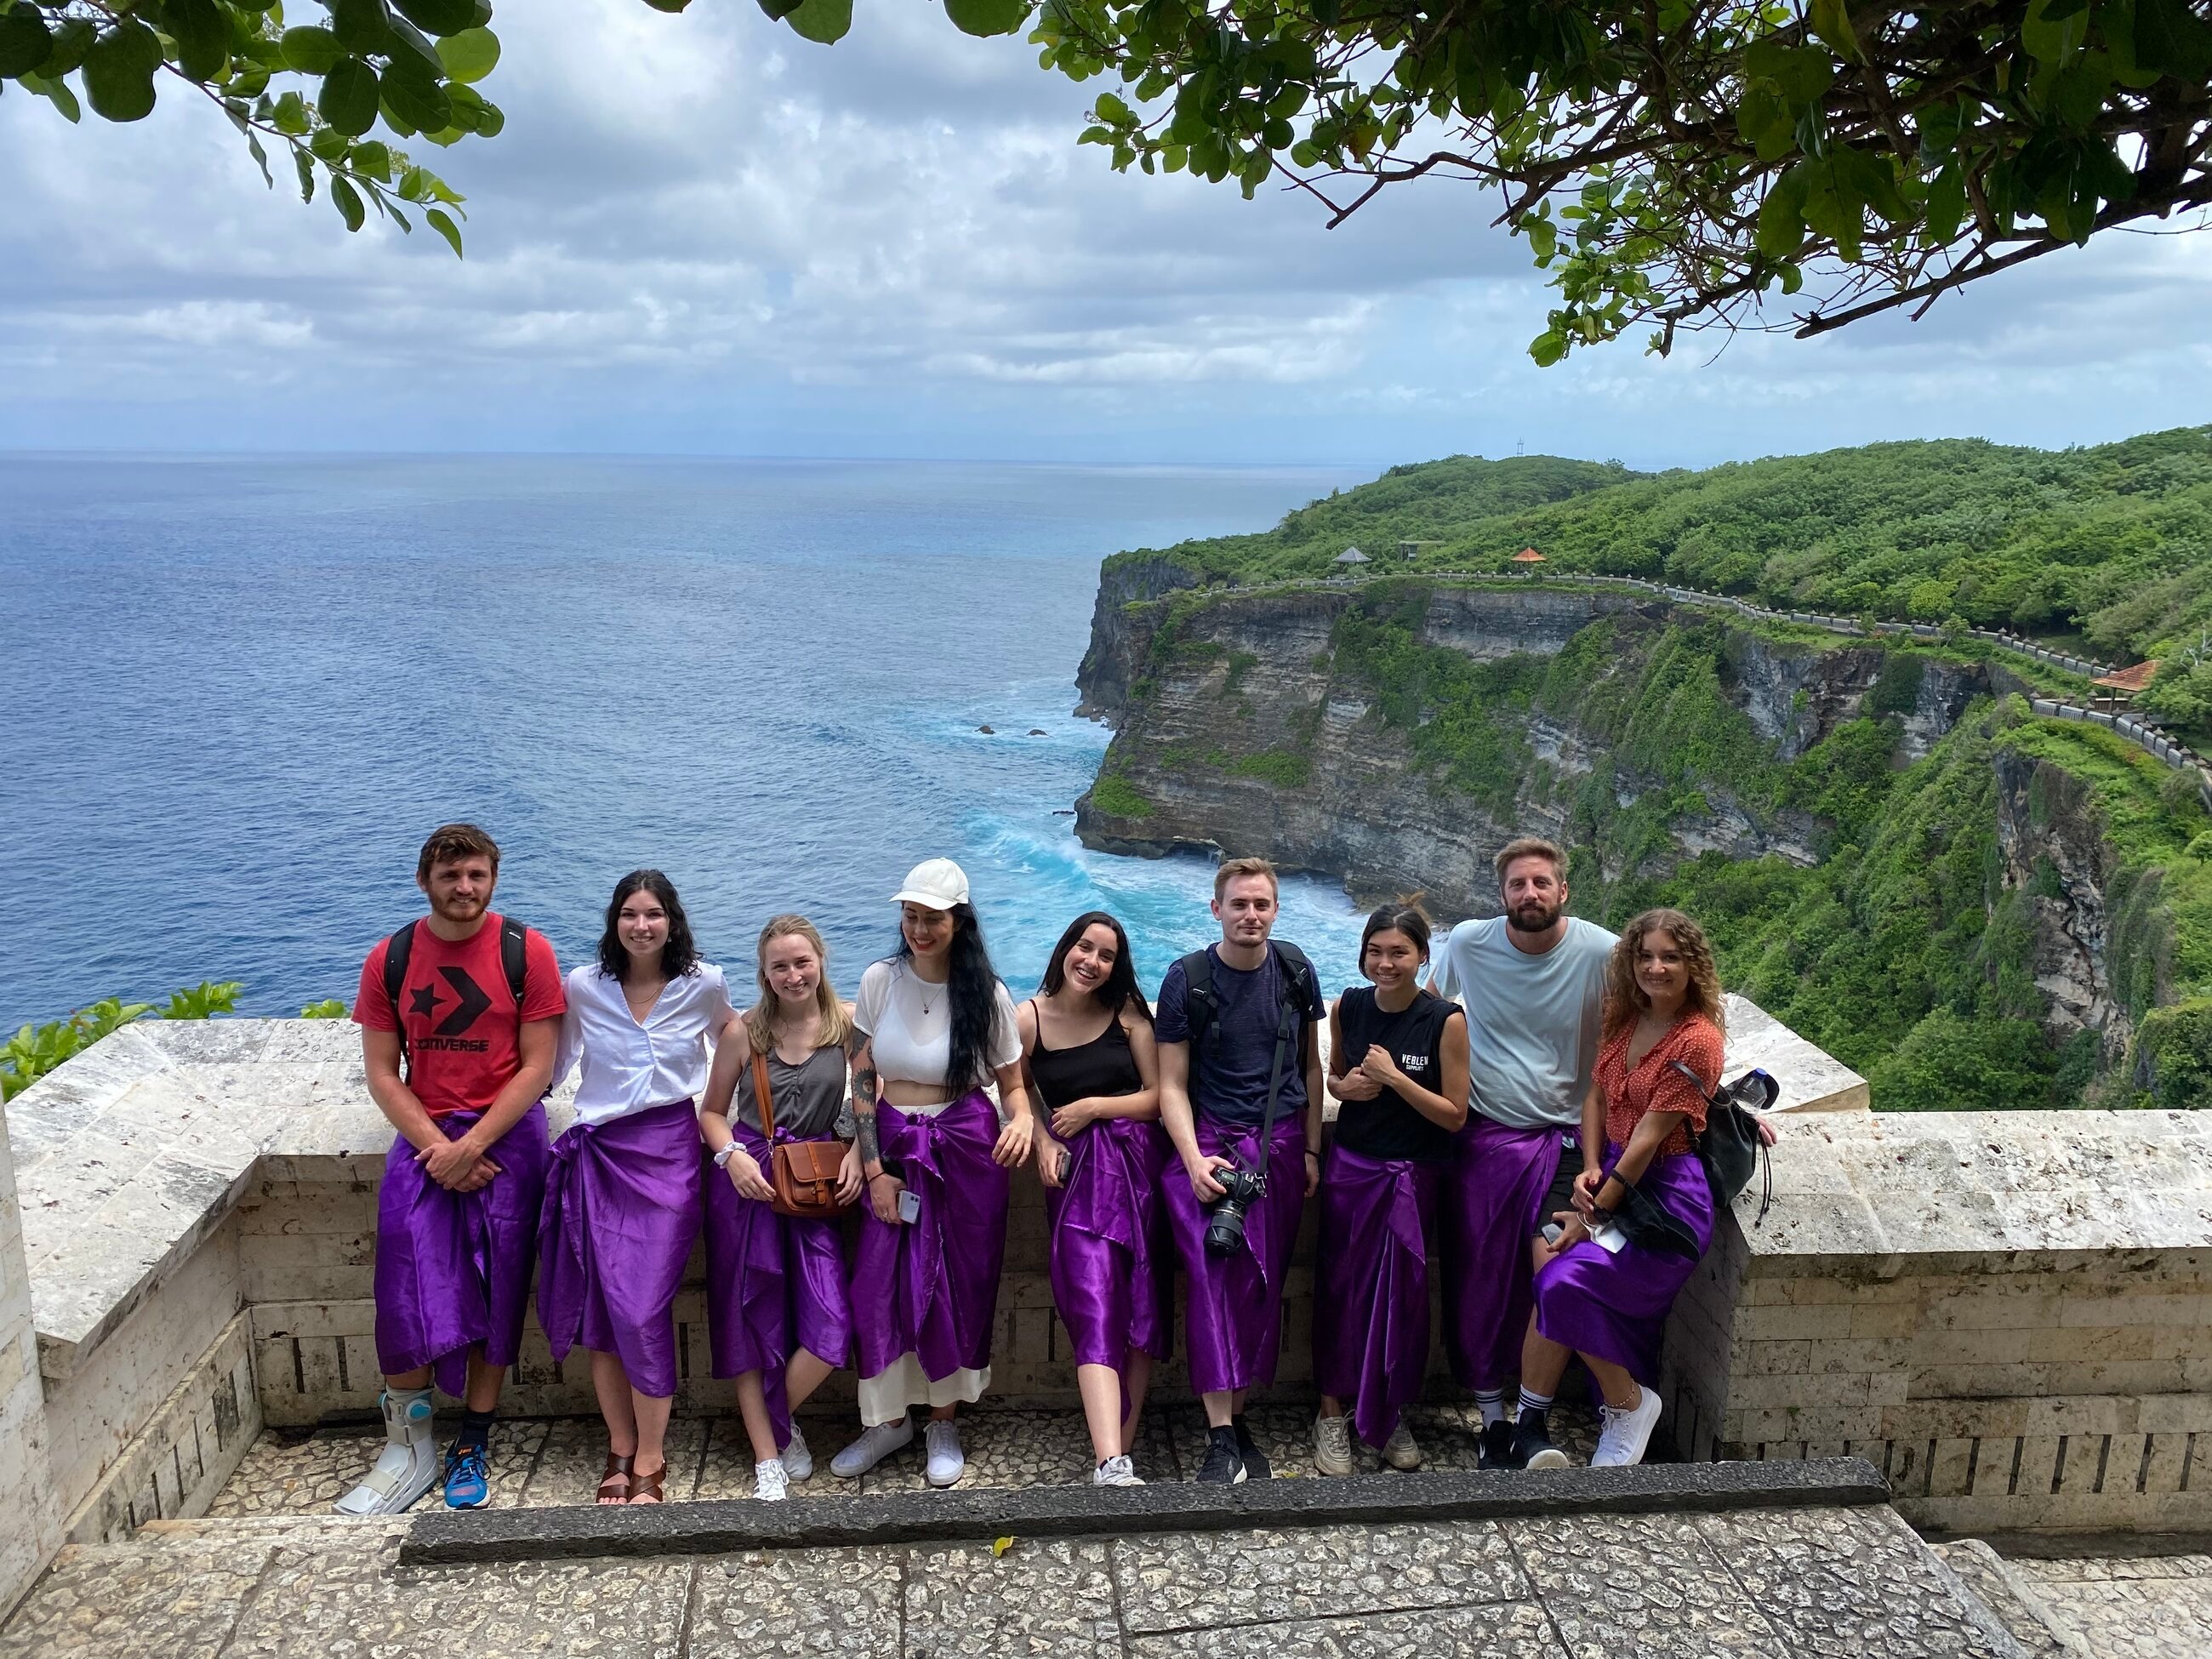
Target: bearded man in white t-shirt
point(1533, 983)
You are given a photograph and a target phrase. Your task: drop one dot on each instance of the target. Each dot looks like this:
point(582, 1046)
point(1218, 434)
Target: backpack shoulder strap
point(1200, 1003)
point(398, 950)
point(514, 957)
point(1305, 983)
point(1696, 1082)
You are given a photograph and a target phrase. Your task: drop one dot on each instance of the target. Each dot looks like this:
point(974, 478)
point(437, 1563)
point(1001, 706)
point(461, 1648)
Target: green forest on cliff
point(2110, 544)
point(1908, 946)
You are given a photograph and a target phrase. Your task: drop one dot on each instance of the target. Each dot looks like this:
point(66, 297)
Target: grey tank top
point(809, 1097)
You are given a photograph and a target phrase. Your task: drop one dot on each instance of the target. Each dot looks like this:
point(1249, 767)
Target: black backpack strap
point(1305, 983)
point(1696, 1082)
point(398, 950)
point(1198, 1002)
point(514, 957)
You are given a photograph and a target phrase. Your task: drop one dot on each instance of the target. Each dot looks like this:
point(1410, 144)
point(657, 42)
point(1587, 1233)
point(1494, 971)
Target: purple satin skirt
point(774, 1283)
point(930, 1287)
point(1233, 1322)
point(1371, 1332)
point(1614, 1307)
point(1491, 1210)
point(452, 1269)
point(1112, 1273)
point(622, 1213)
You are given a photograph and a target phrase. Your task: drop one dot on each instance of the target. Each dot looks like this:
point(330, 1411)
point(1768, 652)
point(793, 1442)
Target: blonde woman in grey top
point(779, 1317)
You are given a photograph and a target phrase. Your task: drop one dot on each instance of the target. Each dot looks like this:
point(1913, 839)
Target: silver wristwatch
point(722, 1159)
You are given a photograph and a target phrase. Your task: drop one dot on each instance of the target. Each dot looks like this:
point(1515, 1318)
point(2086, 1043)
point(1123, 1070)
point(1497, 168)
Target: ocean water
point(239, 692)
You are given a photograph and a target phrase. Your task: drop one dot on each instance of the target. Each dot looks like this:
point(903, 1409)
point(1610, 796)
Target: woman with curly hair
point(621, 1203)
point(1599, 1294)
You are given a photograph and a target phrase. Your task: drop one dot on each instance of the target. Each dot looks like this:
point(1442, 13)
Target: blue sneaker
point(468, 1480)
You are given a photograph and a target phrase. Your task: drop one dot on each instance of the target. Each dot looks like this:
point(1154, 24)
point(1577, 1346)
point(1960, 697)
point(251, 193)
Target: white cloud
point(700, 231)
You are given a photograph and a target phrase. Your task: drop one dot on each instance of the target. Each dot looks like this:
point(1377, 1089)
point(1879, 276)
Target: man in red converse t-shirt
point(460, 1066)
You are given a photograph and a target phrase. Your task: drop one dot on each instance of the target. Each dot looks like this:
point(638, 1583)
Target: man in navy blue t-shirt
point(1213, 1104)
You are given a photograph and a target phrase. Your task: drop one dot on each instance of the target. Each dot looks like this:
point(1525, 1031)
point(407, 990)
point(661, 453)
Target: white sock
point(1493, 1404)
point(1534, 1402)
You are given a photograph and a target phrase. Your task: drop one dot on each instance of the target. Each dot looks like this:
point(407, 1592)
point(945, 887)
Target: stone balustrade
point(2007, 1312)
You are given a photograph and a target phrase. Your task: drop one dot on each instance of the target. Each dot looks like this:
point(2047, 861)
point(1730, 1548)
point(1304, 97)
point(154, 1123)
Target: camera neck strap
point(1286, 1029)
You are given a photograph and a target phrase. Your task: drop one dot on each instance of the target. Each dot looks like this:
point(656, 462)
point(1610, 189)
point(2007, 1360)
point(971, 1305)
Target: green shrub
point(1279, 767)
point(2173, 1054)
point(328, 1008)
point(1116, 796)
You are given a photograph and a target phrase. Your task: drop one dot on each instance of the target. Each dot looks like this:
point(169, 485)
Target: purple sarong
point(1614, 1307)
point(621, 1211)
point(930, 1287)
point(452, 1269)
point(1370, 1331)
point(1111, 1271)
point(1233, 1322)
point(774, 1283)
point(1492, 1207)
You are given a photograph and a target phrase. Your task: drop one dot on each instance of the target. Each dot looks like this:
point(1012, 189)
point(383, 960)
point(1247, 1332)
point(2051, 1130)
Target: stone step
point(1792, 1583)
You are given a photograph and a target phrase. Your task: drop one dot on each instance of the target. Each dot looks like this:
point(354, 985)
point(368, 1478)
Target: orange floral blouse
point(1655, 1087)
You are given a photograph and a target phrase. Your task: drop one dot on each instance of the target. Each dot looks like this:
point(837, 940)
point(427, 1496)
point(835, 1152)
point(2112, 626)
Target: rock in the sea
point(1037, 731)
point(987, 731)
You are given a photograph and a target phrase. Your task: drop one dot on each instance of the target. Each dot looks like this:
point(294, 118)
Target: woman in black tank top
point(1087, 1041)
point(1398, 1064)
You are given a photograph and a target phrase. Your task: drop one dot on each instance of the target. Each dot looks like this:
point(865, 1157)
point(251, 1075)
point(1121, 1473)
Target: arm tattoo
point(866, 1137)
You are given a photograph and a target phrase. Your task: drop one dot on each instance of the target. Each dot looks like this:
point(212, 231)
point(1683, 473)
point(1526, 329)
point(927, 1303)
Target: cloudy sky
point(701, 235)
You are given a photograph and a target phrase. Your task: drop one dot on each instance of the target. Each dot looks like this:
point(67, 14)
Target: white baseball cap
point(935, 885)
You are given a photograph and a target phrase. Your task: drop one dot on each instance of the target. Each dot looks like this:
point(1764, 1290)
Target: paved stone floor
point(1790, 1583)
point(558, 1460)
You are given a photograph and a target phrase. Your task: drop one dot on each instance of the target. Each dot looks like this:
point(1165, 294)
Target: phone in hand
point(909, 1205)
point(1552, 1233)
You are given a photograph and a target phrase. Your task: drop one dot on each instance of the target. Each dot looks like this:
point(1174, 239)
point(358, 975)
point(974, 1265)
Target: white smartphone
point(909, 1205)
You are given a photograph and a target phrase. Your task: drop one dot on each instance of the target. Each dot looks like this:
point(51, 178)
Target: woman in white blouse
point(621, 1203)
point(933, 1025)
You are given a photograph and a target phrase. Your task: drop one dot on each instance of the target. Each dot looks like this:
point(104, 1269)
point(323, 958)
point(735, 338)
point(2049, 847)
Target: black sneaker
point(1497, 1448)
point(1225, 1463)
point(1255, 1460)
point(1532, 1445)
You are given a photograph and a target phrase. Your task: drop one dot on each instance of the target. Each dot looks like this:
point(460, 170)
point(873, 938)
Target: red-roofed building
point(2123, 686)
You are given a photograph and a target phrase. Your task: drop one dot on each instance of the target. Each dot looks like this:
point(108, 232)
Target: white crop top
point(909, 1024)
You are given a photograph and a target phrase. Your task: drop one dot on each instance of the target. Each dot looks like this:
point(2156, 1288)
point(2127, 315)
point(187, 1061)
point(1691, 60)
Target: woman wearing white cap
point(932, 1026)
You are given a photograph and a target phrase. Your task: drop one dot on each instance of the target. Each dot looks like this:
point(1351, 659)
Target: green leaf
point(1782, 216)
point(55, 91)
point(119, 71)
point(825, 21)
point(305, 166)
point(311, 50)
point(201, 29)
point(349, 201)
point(777, 10)
point(469, 55)
point(411, 92)
point(2051, 36)
point(1548, 348)
point(1832, 21)
point(985, 17)
point(350, 97)
point(440, 16)
point(71, 41)
point(2171, 40)
point(1799, 74)
point(669, 6)
point(373, 160)
point(442, 223)
point(25, 41)
point(362, 27)
point(1947, 208)
point(1114, 112)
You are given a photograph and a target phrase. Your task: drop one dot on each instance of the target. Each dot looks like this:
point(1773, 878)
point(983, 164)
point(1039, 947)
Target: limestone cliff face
point(1243, 724)
point(1122, 625)
point(2090, 929)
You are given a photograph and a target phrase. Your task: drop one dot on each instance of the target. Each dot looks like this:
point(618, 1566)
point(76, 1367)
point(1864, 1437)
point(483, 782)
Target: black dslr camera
point(1241, 1188)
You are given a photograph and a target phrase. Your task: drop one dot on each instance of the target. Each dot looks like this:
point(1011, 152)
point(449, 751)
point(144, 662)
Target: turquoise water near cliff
point(237, 693)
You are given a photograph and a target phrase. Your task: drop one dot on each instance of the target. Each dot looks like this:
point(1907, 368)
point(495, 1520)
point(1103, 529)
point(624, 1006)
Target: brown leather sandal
point(646, 1488)
point(619, 1470)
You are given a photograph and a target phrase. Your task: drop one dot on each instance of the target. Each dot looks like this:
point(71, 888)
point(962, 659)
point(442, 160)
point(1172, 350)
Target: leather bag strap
point(761, 1096)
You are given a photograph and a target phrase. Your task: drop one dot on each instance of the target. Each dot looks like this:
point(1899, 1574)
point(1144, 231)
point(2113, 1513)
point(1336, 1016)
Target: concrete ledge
point(718, 1528)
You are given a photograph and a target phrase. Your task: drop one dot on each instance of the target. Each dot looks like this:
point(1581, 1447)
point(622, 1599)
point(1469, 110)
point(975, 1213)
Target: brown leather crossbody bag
point(803, 1172)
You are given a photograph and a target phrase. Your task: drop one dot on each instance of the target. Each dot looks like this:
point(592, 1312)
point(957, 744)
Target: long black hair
point(973, 1004)
point(678, 956)
point(1406, 917)
point(1120, 989)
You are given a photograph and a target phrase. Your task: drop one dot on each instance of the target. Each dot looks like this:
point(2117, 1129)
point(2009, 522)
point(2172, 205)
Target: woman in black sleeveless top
point(1398, 1064)
point(1087, 1039)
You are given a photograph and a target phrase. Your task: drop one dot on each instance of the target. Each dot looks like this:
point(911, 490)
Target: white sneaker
point(873, 1446)
point(1624, 1435)
point(797, 1461)
point(407, 1467)
point(1332, 1444)
point(946, 1460)
point(1399, 1451)
point(768, 1482)
point(1115, 1472)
